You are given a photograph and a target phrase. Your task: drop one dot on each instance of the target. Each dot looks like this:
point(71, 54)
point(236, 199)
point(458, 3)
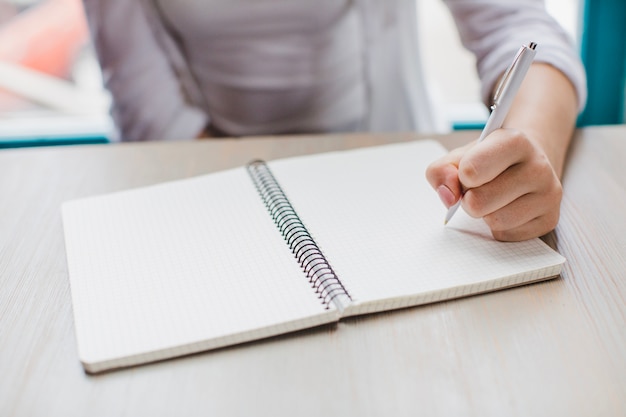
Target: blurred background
point(452, 74)
point(51, 86)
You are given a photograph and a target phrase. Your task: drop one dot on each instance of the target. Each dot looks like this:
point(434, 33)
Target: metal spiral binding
point(311, 259)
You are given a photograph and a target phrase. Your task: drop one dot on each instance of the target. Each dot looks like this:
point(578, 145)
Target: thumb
point(443, 176)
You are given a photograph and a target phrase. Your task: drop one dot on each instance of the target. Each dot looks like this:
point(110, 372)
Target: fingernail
point(445, 195)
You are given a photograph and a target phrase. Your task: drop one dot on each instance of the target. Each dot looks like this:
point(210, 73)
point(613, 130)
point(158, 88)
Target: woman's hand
point(511, 179)
point(507, 180)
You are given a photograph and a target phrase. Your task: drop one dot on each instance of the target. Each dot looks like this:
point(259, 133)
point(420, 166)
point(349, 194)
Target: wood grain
point(555, 348)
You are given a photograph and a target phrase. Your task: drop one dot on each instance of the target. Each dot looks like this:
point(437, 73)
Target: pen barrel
point(508, 93)
point(494, 122)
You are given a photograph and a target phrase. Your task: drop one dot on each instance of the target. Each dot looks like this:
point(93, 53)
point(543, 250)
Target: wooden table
point(552, 349)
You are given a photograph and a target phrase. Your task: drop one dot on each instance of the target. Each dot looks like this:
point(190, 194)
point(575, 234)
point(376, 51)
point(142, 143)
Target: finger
point(513, 183)
point(529, 216)
point(489, 158)
point(442, 175)
point(537, 227)
point(480, 201)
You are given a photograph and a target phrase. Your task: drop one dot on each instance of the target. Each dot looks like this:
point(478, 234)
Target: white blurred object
point(52, 92)
point(62, 112)
point(49, 127)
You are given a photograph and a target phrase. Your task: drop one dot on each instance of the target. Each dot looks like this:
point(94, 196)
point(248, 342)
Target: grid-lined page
point(178, 268)
point(380, 225)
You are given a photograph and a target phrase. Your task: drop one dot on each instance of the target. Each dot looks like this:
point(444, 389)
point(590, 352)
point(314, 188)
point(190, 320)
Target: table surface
point(553, 348)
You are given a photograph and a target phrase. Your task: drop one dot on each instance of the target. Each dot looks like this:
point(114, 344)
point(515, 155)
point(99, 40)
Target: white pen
point(503, 98)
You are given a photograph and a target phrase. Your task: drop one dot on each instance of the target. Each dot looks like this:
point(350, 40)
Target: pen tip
point(445, 222)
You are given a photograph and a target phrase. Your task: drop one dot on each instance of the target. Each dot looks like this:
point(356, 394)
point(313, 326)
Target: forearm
point(545, 109)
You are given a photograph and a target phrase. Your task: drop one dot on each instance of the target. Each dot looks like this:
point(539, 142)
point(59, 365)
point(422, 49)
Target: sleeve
point(148, 99)
point(494, 30)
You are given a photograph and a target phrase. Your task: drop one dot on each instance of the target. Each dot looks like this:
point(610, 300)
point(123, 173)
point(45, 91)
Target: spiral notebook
point(270, 248)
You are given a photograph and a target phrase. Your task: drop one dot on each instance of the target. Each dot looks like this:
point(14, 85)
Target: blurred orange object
point(45, 37)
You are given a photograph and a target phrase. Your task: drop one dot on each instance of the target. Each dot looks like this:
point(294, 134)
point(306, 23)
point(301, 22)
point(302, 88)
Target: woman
point(190, 68)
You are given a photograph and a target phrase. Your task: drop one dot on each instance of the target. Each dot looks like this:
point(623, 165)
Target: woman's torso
point(274, 66)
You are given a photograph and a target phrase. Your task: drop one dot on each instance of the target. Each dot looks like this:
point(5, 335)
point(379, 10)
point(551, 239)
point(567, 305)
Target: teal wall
point(603, 51)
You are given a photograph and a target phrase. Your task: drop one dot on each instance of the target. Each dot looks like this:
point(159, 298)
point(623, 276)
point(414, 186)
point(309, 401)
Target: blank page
point(380, 225)
point(179, 268)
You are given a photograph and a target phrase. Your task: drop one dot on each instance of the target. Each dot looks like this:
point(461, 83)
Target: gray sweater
point(251, 67)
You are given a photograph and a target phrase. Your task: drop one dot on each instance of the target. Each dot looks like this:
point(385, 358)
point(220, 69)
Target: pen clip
point(506, 77)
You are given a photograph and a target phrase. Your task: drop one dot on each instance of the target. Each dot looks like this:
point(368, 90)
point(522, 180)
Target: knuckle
point(434, 171)
point(504, 235)
point(544, 166)
point(516, 138)
point(545, 225)
point(468, 172)
point(495, 222)
point(473, 203)
point(553, 195)
point(551, 221)
point(430, 173)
